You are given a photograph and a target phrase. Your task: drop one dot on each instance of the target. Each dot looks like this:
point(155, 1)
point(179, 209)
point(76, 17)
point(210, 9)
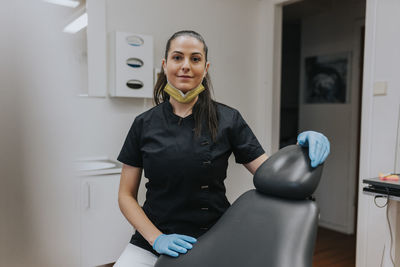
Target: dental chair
point(274, 225)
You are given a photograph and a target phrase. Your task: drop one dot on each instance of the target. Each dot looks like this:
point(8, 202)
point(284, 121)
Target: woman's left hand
point(318, 146)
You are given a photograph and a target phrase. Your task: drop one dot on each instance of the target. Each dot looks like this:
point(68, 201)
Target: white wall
point(335, 29)
point(9, 140)
point(380, 116)
point(38, 76)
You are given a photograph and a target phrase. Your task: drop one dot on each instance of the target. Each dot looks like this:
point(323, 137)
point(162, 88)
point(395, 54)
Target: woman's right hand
point(173, 244)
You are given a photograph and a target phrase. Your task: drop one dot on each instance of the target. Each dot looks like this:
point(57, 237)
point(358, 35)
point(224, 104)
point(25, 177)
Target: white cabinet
point(104, 231)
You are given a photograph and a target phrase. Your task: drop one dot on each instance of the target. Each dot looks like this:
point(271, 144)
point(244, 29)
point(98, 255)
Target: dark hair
point(204, 111)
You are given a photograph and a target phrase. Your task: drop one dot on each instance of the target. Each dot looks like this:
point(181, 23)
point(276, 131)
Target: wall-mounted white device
point(131, 65)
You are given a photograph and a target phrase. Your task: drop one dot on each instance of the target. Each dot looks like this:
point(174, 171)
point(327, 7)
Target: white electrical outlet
point(380, 88)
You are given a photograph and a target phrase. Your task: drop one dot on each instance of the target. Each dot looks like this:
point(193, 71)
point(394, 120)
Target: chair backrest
point(274, 225)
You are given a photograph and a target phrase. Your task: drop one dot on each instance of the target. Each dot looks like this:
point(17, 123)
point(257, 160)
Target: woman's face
point(186, 64)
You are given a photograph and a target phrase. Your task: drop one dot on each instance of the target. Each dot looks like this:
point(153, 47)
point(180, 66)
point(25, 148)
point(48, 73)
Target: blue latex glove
point(173, 244)
point(318, 146)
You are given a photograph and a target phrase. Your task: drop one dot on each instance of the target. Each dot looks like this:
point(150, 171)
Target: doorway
point(321, 74)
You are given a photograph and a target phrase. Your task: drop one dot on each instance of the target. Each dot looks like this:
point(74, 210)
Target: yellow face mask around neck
point(181, 97)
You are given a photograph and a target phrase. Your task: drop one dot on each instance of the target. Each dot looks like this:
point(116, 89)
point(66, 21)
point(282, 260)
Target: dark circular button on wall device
point(134, 84)
point(134, 40)
point(134, 62)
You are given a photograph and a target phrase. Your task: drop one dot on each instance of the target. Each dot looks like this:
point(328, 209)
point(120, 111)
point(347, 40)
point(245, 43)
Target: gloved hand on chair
point(318, 146)
point(173, 244)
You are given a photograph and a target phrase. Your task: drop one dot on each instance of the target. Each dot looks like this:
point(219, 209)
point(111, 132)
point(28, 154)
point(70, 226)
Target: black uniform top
point(185, 191)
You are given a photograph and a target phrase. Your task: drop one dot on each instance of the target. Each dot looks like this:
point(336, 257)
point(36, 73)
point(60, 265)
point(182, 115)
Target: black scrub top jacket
point(185, 188)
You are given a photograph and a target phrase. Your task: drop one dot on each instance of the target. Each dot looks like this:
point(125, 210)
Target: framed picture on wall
point(327, 78)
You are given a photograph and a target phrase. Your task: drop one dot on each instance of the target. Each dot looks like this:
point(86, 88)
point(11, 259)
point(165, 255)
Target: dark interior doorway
point(290, 80)
point(332, 248)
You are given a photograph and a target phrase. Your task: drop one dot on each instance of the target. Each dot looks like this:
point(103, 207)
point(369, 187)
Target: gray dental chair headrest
point(288, 174)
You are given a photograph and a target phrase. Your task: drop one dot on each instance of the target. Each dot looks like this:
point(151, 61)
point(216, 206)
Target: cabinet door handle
point(87, 196)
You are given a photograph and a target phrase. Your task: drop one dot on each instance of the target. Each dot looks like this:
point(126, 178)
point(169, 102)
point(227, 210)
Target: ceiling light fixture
point(68, 3)
point(77, 25)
